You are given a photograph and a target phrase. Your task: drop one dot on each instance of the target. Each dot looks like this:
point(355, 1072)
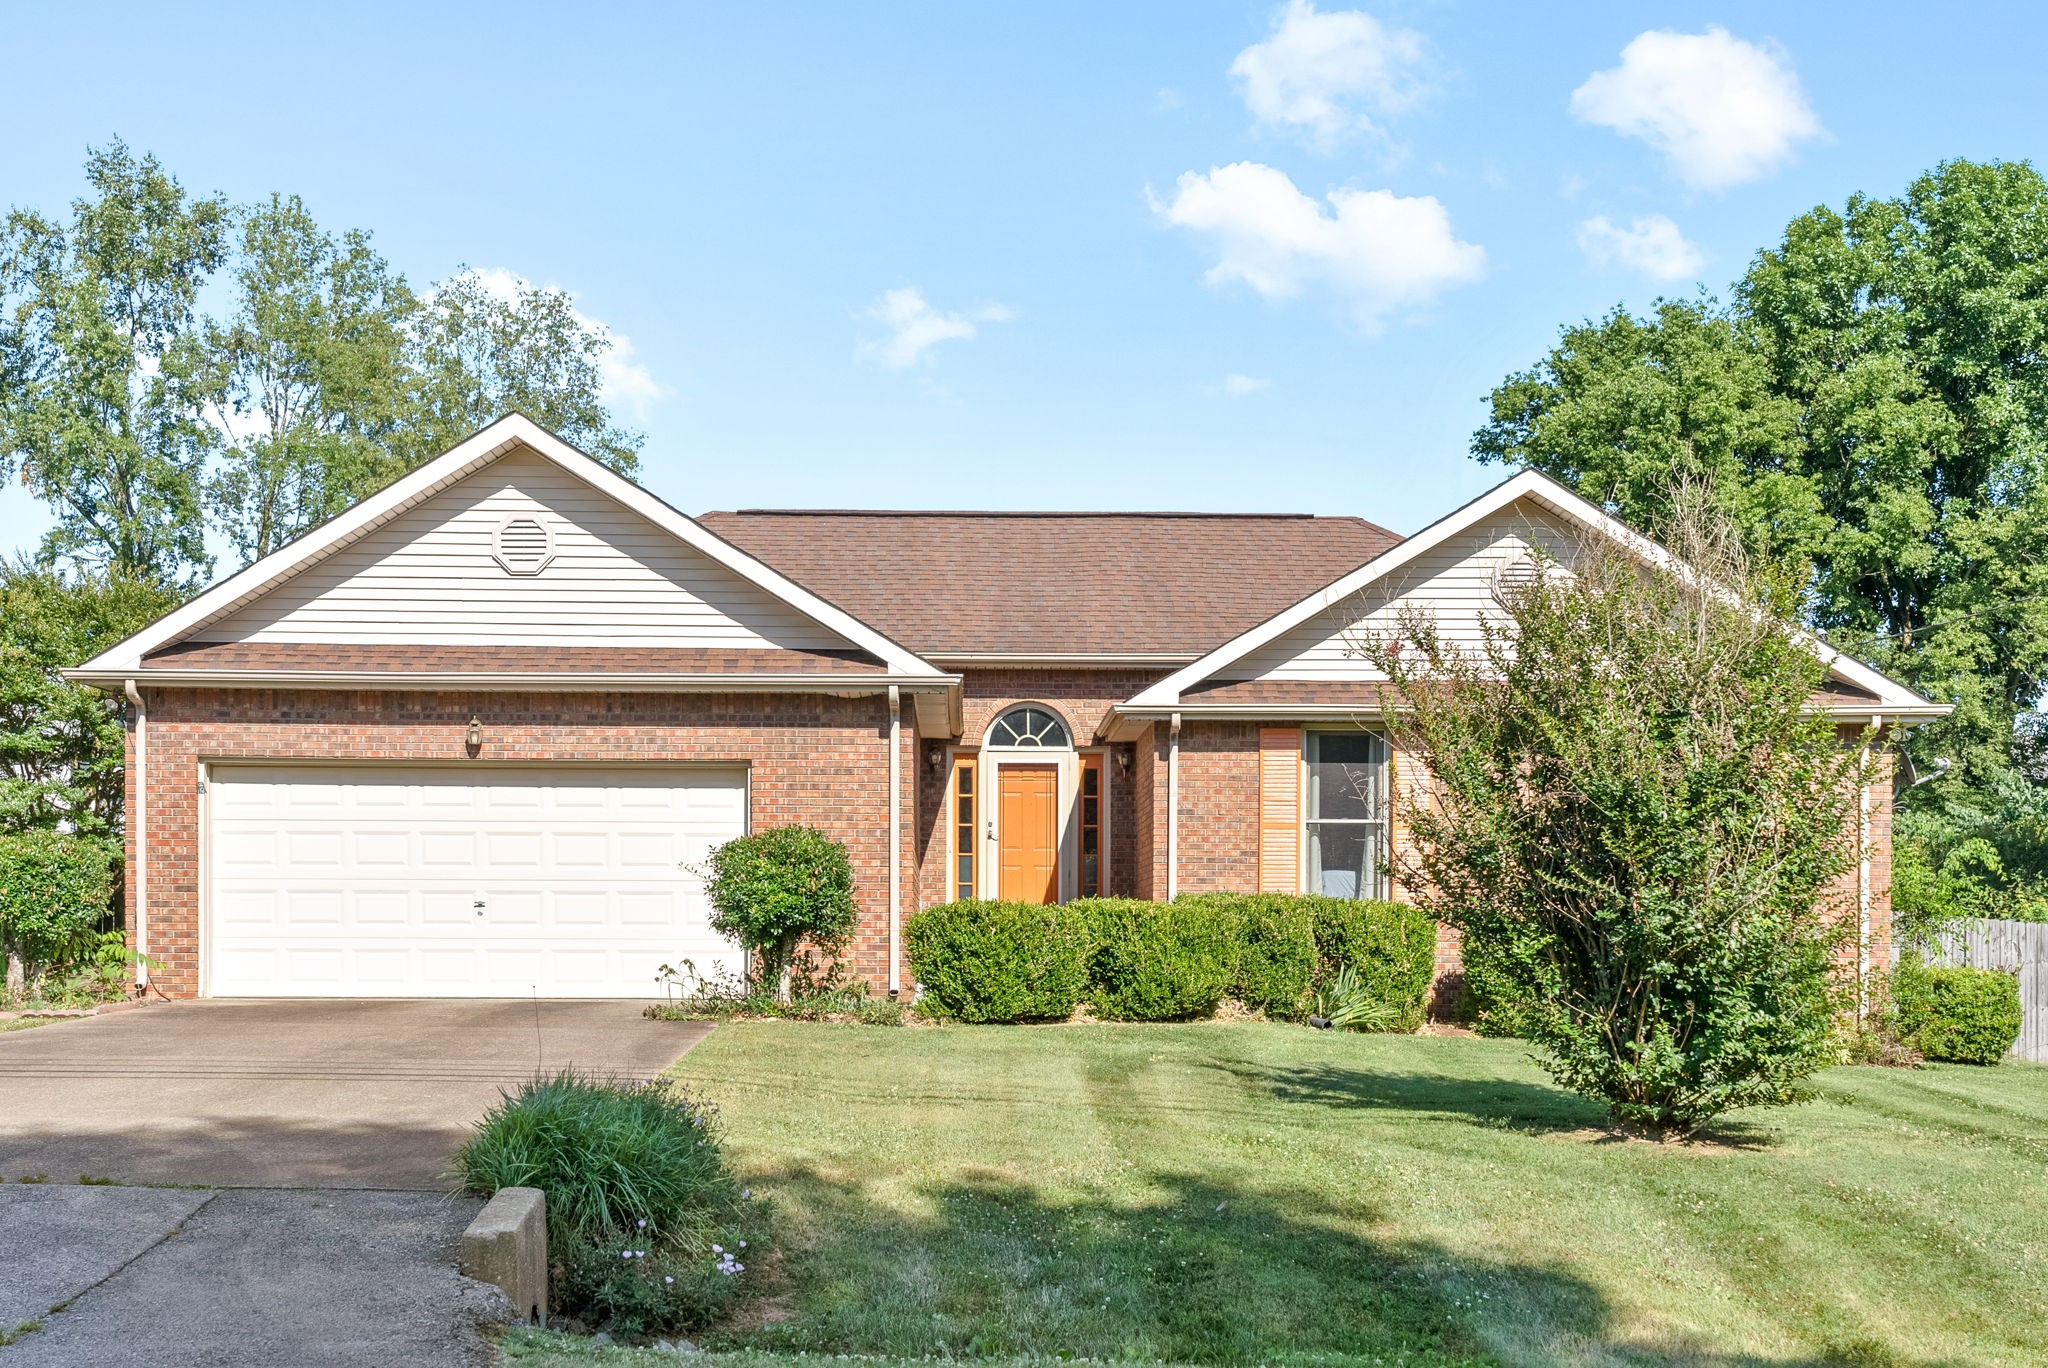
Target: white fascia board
point(524, 681)
point(1892, 697)
point(467, 457)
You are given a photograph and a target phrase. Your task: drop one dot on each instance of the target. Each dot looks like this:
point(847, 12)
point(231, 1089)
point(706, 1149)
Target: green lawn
point(1249, 1193)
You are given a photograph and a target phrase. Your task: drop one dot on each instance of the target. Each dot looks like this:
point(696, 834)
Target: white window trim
point(1384, 884)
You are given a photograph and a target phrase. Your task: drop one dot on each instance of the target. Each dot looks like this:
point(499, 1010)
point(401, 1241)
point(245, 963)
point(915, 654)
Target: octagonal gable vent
point(524, 543)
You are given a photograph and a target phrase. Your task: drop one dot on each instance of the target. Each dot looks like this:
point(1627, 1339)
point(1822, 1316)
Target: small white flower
point(669, 1279)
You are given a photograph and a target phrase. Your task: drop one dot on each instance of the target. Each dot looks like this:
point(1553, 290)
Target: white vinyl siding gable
point(1454, 580)
point(429, 577)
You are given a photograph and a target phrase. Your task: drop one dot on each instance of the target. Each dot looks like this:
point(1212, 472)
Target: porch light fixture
point(474, 737)
point(1123, 760)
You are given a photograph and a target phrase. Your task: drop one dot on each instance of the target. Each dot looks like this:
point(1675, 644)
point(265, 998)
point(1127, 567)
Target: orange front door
point(1028, 833)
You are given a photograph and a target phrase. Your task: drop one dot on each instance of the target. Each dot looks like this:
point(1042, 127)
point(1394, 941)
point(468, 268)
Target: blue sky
point(1012, 257)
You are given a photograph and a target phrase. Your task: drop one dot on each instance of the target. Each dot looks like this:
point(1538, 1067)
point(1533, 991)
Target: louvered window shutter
point(1279, 810)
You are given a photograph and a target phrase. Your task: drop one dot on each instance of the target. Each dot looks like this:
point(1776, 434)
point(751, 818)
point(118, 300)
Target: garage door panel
point(364, 881)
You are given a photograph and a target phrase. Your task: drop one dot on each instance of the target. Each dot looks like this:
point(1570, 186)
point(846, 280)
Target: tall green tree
point(1874, 401)
point(308, 378)
point(62, 746)
point(482, 347)
point(101, 406)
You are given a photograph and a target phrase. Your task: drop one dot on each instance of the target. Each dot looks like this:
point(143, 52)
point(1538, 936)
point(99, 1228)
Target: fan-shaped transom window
point(523, 544)
point(1028, 727)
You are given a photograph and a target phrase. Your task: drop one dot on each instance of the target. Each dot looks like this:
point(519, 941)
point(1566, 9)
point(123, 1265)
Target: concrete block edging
point(507, 1247)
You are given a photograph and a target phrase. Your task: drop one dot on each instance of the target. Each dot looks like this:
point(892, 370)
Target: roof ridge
point(1014, 513)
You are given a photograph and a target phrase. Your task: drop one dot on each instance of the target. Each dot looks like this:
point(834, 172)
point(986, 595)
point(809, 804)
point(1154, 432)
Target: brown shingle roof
point(1055, 583)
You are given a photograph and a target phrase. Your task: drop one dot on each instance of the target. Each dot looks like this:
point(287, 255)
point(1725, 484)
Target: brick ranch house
point(468, 738)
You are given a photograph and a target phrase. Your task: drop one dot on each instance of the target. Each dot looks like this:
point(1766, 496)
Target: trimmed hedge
point(1153, 961)
point(998, 961)
point(1967, 1016)
point(1133, 960)
point(1390, 946)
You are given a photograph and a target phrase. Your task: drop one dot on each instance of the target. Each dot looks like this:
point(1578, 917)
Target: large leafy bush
point(998, 961)
point(1967, 1016)
point(1153, 961)
point(1635, 812)
point(647, 1231)
point(775, 889)
point(56, 892)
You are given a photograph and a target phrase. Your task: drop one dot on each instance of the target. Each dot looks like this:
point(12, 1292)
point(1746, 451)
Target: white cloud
point(1318, 74)
point(1383, 252)
point(624, 383)
point(1724, 111)
point(915, 326)
point(1166, 101)
point(1238, 386)
point(1651, 245)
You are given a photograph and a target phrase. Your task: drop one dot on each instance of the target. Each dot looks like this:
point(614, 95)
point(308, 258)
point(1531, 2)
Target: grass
point(1252, 1193)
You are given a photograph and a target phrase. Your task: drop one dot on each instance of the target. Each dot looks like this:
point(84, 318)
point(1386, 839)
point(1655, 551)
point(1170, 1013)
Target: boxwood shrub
point(1389, 946)
point(1152, 961)
point(998, 961)
point(1273, 943)
point(1967, 1016)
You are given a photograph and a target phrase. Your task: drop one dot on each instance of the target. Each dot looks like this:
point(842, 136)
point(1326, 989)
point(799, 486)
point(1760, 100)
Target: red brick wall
point(1219, 807)
point(814, 760)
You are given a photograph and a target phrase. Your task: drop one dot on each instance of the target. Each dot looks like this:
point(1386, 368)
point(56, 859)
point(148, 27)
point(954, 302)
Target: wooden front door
point(1028, 833)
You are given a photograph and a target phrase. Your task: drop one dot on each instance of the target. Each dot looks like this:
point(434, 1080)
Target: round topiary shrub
point(777, 888)
point(997, 961)
point(1965, 1016)
point(1157, 961)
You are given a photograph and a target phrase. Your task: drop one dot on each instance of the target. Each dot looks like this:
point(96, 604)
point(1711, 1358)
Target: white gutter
point(1052, 661)
point(1173, 807)
point(895, 832)
point(844, 685)
point(138, 823)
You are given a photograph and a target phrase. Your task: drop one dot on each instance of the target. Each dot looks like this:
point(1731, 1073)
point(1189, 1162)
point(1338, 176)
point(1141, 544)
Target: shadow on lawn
point(1497, 1103)
point(1190, 1272)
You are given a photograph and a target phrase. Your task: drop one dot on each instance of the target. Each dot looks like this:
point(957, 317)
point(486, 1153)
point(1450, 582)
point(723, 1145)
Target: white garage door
point(462, 882)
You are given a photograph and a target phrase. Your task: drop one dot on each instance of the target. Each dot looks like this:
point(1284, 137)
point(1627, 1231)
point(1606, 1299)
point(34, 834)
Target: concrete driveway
point(337, 1094)
point(135, 1277)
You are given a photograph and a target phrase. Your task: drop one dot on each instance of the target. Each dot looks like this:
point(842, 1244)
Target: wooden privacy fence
point(2008, 945)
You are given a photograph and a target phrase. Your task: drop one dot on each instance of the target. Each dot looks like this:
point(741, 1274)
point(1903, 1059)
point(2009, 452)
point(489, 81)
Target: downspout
point(895, 833)
point(138, 823)
point(1173, 807)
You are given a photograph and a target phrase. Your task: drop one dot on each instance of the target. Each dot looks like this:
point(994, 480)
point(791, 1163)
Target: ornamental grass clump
point(1636, 813)
point(647, 1230)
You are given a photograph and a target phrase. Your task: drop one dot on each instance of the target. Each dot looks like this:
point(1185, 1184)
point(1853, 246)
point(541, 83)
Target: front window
point(1347, 814)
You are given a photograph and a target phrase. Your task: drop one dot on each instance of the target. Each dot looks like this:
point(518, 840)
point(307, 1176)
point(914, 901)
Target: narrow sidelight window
point(963, 798)
point(1091, 826)
point(1347, 814)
